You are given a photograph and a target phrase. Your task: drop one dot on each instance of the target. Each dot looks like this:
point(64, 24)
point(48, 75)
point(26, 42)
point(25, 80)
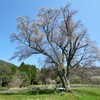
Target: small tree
point(47, 73)
point(30, 70)
point(5, 74)
point(63, 42)
point(19, 79)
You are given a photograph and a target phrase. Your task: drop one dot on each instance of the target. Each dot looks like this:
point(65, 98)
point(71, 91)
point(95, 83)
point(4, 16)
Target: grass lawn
point(78, 94)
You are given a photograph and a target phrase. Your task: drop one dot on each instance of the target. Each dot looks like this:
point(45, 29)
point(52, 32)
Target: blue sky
point(88, 12)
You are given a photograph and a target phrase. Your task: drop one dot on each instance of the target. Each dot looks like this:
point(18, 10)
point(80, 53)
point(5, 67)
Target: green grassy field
point(78, 94)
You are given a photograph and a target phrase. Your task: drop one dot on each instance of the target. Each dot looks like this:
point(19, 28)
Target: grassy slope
point(78, 94)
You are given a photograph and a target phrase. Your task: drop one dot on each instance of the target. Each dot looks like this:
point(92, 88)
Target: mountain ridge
point(7, 63)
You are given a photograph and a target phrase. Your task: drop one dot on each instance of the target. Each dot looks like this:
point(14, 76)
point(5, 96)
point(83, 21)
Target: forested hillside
point(16, 76)
point(25, 75)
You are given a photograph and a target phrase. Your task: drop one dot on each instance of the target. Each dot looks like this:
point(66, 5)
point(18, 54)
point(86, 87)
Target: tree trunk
point(65, 82)
point(1, 82)
point(67, 85)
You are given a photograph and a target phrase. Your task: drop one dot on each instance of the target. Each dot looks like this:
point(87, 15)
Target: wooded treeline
point(25, 75)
